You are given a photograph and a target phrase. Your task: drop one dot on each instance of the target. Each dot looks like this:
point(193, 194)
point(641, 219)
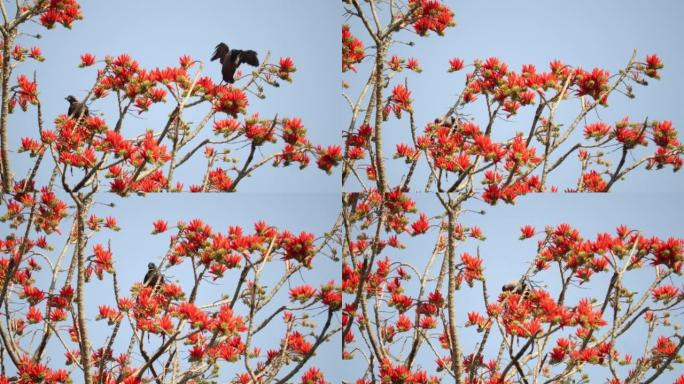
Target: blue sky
point(157, 33)
point(506, 258)
point(581, 33)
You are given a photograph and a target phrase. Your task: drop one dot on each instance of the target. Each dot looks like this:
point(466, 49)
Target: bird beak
point(66, 98)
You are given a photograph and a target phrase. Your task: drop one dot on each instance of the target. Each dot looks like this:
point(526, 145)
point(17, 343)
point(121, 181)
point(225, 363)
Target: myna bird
point(231, 60)
point(76, 108)
point(518, 287)
point(153, 277)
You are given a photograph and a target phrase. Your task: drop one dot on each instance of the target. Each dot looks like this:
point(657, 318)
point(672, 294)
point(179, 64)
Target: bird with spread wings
point(232, 59)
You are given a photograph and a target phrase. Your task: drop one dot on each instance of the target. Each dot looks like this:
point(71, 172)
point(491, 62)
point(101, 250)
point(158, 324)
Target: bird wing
point(249, 57)
point(148, 276)
point(220, 52)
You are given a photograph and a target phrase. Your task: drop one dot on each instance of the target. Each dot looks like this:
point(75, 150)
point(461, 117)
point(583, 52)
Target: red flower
point(666, 293)
point(593, 182)
point(407, 152)
point(653, 64)
point(219, 180)
point(428, 322)
point(87, 60)
point(401, 302)
point(328, 157)
point(300, 248)
point(285, 68)
point(302, 293)
point(313, 376)
point(352, 49)
point(157, 95)
point(230, 101)
point(664, 347)
point(36, 54)
point(106, 312)
point(401, 99)
point(664, 135)
point(32, 145)
point(526, 231)
point(294, 131)
point(110, 222)
point(596, 131)
point(185, 61)
point(472, 267)
point(395, 63)
point(420, 226)
point(226, 126)
point(298, 344)
point(33, 316)
point(413, 65)
point(143, 104)
point(64, 12)
point(27, 92)
point(455, 64)
point(228, 323)
point(58, 315)
point(476, 233)
point(103, 260)
point(431, 15)
point(404, 323)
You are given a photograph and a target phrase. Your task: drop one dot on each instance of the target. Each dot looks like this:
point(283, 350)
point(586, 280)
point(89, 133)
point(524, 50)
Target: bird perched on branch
point(153, 277)
point(231, 60)
point(518, 287)
point(76, 108)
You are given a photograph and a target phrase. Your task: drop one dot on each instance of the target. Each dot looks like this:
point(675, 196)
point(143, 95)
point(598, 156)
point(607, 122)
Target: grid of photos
point(482, 193)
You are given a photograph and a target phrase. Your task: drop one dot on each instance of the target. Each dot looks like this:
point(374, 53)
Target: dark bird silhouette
point(153, 277)
point(518, 287)
point(76, 108)
point(231, 60)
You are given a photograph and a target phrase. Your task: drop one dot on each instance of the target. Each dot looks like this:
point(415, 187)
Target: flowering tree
point(178, 337)
point(401, 314)
point(386, 321)
point(460, 152)
point(86, 149)
point(159, 330)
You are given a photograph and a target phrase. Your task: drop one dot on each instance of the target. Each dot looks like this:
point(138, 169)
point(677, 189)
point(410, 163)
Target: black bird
point(231, 60)
point(76, 108)
point(153, 277)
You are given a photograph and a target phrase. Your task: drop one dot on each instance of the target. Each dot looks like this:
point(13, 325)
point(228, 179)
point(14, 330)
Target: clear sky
point(581, 33)
point(134, 246)
point(157, 33)
point(506, 258)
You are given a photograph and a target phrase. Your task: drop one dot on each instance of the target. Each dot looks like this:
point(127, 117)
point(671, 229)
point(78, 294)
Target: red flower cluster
point(357, 142)
point(230, 100)
point(352, 50)
point(430, 15)
point(219, 181)
point(328, 157)
point(669, 151)
point(26, 93)
point(653, 64)
point(401, 374)
point(63, 12)
point(585, 257)
point(399, 101)
point(285, 68)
